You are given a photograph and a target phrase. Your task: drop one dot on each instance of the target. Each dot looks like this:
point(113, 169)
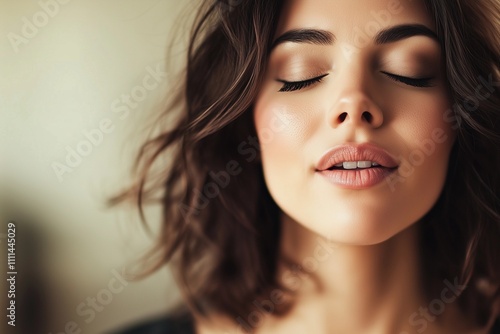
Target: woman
point(335, 169)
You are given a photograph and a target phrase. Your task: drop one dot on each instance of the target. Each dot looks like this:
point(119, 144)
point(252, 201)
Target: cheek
point(427, 137)
point(283, 129)
point(279, 123)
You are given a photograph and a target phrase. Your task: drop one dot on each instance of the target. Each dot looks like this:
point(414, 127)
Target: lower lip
point(357, 178)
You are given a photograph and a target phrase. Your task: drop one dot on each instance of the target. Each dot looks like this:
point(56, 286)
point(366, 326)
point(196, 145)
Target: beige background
point(59, 83)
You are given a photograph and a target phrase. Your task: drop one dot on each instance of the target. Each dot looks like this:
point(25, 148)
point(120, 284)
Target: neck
point(369, 287)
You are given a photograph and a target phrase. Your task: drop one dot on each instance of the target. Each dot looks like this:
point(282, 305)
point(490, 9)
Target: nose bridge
point(352, 80)
point(353, 104)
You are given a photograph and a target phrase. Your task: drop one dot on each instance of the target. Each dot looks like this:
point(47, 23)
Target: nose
point(354, 107)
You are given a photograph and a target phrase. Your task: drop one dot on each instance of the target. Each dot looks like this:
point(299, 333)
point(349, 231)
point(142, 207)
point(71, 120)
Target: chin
point(363, 231)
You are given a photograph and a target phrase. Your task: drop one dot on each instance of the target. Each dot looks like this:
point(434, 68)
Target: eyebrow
point(399, 32)
point(309, 36)
point(325, 37)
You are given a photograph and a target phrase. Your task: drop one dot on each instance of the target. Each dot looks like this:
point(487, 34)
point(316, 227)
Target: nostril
point(367, 116)
point(342, 117)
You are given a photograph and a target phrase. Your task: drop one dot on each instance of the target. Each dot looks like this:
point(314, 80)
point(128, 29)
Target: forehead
point(346, 18)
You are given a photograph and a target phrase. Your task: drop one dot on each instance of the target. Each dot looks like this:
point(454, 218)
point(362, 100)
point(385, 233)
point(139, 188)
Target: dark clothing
point(183, 324)
point(178, 324)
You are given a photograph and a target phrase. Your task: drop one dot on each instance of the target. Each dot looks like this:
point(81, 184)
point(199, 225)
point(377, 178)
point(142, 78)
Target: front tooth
point(350, 165)
point(364, 164)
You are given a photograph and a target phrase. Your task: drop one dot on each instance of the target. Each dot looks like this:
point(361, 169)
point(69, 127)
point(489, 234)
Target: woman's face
point(355, 83)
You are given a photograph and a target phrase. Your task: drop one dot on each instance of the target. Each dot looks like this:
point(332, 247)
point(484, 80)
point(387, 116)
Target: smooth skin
point(358, 248)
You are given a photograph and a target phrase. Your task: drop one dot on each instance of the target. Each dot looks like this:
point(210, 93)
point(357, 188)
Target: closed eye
point(415, 82)
point(290, 86)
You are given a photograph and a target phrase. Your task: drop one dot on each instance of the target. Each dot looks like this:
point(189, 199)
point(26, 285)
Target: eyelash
point(290, 86)
point(415, 82)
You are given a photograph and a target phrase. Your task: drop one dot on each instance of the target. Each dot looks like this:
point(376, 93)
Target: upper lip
point(355, 152)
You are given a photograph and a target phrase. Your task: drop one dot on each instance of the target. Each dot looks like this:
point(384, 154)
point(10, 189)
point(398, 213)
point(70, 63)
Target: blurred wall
point(79, 81)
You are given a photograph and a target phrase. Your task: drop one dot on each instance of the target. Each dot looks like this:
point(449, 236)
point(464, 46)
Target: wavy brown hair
point(221, 228)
